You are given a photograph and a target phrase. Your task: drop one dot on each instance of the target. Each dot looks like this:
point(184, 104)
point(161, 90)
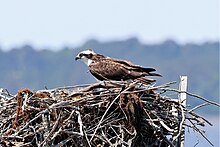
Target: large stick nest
point(101, 114)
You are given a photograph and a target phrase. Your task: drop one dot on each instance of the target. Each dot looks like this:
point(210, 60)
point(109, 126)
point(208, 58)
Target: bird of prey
point(106, 68)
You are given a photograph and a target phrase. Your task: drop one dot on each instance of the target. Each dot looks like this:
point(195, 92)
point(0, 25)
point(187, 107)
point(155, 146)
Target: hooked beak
point(77, 58)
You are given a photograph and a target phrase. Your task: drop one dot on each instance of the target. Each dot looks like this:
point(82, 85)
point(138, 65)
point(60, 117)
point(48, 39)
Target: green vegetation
point(35, 69)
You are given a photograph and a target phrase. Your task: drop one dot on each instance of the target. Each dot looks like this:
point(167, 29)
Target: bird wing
point(131, 66)
point(109, 69)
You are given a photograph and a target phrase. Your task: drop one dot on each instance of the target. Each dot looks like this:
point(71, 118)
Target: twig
point(108, 109)
point(193, 95)
point(53, 129)
point(199, 106)
point(39, 115)
point(203, 135)
point(108, 113)
point(181, 123)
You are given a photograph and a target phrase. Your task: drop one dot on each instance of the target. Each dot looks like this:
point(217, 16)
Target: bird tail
point(154, 74)
point(146, 80)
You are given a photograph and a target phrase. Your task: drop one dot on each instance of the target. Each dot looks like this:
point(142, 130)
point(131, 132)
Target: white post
point(182, 100)
point(183, 88)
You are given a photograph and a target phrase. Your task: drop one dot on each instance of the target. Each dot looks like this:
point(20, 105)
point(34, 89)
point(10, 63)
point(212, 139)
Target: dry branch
point(103, 114)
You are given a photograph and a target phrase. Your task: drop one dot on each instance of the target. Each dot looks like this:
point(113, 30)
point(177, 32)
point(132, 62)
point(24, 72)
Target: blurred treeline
point(38, 69)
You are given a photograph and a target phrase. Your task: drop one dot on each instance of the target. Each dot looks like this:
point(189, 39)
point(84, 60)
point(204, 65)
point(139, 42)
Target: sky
point(56, 23)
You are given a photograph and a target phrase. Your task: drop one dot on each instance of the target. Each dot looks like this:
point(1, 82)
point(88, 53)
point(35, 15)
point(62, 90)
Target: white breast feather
point(87, 61)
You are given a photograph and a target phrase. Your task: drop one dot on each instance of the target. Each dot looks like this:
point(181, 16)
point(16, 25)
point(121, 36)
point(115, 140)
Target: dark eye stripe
point(85, 55)
point(80, 55)
point(90, 55)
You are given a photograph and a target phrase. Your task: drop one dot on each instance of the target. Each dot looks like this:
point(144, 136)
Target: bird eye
point(80, 55)
point(90, 55)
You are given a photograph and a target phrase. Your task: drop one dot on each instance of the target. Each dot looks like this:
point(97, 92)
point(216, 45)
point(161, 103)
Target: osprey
point(106, 68)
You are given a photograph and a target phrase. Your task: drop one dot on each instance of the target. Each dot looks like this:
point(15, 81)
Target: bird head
point(86, 56)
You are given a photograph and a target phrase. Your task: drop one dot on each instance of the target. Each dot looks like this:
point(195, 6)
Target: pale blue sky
point(55, 23)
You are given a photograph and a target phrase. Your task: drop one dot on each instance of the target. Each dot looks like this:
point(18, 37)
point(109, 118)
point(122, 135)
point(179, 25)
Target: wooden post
point(182, 100)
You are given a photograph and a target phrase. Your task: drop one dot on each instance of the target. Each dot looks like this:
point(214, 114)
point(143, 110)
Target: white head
point(86, 56)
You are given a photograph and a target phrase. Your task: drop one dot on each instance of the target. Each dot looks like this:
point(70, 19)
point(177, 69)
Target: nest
point(103, 114)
